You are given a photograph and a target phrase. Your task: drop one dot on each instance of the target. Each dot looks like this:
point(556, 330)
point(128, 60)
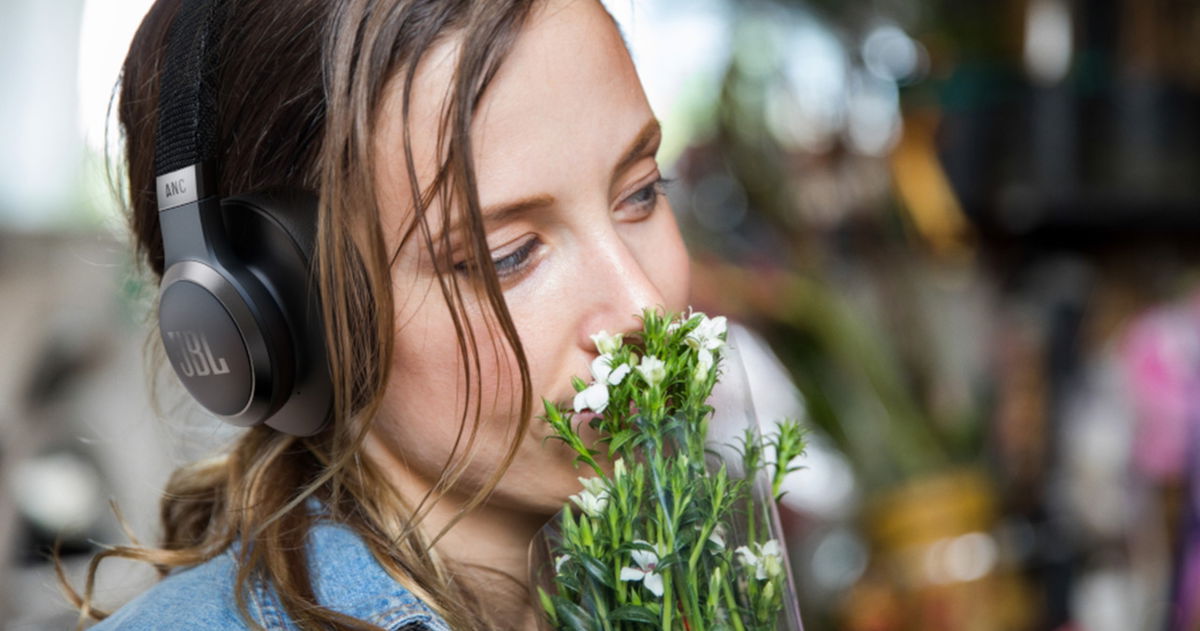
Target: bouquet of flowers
point(671, 532)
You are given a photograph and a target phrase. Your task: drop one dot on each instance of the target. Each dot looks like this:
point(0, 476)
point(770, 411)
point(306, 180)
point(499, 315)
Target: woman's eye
point(508, 264)
point(646, 198)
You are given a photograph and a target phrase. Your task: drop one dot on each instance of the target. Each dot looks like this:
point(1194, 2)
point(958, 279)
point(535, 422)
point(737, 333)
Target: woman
point(489, 168)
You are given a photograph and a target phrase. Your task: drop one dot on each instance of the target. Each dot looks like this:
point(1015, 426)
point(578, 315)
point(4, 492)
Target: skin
point(600, 245)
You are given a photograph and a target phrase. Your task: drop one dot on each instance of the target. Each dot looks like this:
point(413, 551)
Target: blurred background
point(969, 230)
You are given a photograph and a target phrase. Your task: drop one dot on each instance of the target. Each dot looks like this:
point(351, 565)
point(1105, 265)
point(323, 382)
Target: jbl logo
point(196, 355)
point(176, 187)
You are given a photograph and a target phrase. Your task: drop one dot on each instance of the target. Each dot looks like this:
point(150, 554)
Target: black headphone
point(238, 313)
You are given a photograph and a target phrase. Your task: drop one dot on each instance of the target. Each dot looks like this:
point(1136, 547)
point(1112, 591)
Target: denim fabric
point(346, 579)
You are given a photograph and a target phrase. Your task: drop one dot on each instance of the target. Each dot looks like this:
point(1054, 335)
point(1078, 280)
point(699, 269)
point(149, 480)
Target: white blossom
point(707, 334)
point(602, 370)
point(692, 313)
point(653, 370)
point(718, 536)
point(765, 559)
point(558, 562)
point(595, 396)
point(607, 344)
point(593, 499)
point(646, 570)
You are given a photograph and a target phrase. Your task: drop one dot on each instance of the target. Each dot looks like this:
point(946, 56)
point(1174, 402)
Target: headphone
point(237, 313)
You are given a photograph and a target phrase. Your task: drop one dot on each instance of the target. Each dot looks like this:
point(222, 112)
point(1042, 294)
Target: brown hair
point(299, 94)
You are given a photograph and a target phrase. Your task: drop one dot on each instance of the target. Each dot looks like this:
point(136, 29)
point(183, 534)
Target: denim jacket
point(346, 578)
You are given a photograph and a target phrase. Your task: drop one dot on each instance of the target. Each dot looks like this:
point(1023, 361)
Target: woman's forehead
point(563, 106)
point(562, 109)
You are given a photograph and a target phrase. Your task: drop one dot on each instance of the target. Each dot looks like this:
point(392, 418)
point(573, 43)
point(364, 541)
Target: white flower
point(653, 370)
point(603, 371)
point(595, 396)
point(704, 366)
point(646, 570)
point(718, 536)
point(765, 559)
point(619, 468)
point(593, 499)
point(558, 562)
point(707, 334)
point(594, 485)
point(607, 344)
point(692, 313)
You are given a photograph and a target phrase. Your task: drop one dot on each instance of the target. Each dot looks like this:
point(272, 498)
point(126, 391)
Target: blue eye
point(646, 196)
point(514, 262)
point(506, 265)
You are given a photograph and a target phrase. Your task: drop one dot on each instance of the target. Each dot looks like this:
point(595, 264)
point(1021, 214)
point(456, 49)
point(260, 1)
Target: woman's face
point(564, 147)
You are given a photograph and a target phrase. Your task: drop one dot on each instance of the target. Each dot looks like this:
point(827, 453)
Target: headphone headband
point(187, 111)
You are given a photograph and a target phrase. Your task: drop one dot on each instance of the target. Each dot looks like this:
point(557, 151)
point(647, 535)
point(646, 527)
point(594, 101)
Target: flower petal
point(580, 403)
point(644, 558)
point(605, 343)
point(596, 396)
point(745, 556)
point(618, 375)
point(594, 485)
point(652, 369)
point(654, 583)
point(600, 367)
point(632, 574)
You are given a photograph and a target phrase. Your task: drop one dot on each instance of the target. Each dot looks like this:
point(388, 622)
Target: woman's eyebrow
point(499, 213)
point(650, 135)
point(504, 211)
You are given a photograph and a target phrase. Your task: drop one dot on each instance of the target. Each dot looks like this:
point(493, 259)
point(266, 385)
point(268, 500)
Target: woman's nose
point(620, 287)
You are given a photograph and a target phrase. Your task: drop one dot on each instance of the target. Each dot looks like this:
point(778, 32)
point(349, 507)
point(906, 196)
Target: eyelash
point(512, 263)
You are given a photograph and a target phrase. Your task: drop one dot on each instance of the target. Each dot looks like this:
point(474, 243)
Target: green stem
point(668, 602)
point(731, 603)
point(601, 610)
point(691, 604)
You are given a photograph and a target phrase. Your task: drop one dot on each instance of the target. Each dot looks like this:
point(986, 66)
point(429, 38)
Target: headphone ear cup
point(273, 233)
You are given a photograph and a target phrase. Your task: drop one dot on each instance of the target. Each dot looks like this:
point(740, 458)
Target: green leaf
point(572, 616)
point(597, 571)
point(548, 605)
point(632, 613)
point(620, 440)
point(568, 584)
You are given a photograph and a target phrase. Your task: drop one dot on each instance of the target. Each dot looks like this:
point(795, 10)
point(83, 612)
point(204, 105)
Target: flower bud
point(653, 370)
point(704, 366)
point(607, 344)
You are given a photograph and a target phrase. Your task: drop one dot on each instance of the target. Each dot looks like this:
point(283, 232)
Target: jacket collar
point(347, 579)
